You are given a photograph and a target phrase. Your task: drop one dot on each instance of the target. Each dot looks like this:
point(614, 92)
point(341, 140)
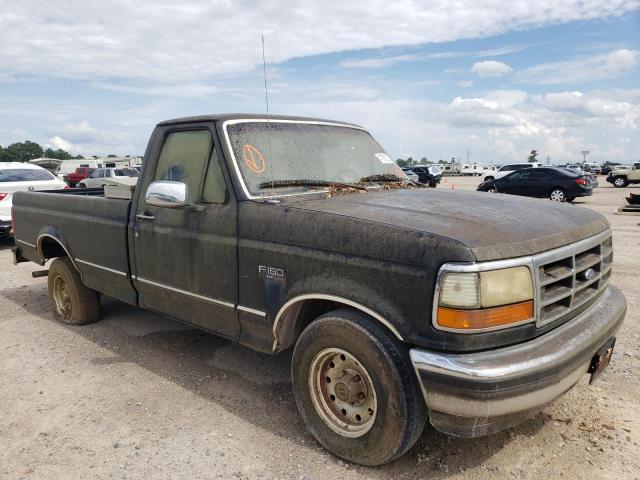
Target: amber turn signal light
point(485, 318)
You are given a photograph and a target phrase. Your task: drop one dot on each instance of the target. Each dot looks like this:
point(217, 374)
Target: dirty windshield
point(270, 155)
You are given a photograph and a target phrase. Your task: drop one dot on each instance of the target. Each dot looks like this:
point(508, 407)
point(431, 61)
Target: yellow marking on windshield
point(253, 158)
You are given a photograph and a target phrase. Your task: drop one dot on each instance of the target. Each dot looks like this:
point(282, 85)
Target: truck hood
point(492, 226)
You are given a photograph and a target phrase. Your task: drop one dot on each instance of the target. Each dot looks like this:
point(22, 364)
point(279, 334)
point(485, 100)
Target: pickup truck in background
point(401, 303)
point(80, 174)
point(101, 177)
point(621, 177)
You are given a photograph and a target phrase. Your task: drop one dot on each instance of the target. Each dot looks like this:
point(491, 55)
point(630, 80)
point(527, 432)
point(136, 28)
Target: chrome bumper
point(480, 393)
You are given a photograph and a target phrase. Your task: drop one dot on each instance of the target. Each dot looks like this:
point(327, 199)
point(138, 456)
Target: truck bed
point(81, 220)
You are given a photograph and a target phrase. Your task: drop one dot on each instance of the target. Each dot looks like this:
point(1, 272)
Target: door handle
point(144, 218)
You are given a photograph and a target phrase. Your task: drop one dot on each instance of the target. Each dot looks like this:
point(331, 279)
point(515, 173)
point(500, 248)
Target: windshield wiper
point(308, 183)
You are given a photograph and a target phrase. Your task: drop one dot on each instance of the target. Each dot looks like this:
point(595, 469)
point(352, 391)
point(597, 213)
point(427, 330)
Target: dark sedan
point(558, 184)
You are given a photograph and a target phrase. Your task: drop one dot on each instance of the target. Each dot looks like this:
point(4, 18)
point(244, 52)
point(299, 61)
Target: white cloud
point(479, 112)
point(376, 62)
point(465, 83)
point(558, 124)
point(58, 142)
point(191, 41)
point(507, 98)
point(584, 107)
point(491, 68)
point(584, 69)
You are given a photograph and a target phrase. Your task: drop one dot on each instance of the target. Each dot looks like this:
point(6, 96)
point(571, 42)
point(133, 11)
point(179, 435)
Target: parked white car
point(106, 176)
point(507, 169)
point(16, 176)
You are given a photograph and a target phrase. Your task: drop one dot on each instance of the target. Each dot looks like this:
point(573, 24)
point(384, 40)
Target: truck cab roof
point(223, 117)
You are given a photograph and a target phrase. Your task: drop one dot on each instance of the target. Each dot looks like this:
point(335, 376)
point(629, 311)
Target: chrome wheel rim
point(618, 182)
point(342, 392)
point(61, 297)
point(557, 196)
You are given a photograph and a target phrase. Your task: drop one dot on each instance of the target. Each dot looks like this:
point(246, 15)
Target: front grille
point(570, 276)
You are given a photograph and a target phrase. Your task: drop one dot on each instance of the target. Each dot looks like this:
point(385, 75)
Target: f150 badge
point(266, 271)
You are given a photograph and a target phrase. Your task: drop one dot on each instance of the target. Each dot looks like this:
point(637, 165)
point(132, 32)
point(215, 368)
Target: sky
point(485, 80)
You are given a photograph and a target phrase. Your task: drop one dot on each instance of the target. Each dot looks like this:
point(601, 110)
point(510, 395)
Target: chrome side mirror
point(167, 194)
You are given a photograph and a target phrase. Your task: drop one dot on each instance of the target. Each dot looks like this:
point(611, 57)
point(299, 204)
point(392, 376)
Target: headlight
point(472, 301)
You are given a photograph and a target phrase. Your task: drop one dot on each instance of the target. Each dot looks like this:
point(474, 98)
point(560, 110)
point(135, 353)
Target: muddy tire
point(356, 389)
point(620, 182)
point(70, 300)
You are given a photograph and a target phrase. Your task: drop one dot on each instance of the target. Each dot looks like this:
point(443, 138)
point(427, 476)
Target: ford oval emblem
point(589, 274)
point(31, 188)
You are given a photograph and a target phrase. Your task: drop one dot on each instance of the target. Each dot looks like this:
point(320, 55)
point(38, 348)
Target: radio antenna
point(264, 69)
point(266, 99)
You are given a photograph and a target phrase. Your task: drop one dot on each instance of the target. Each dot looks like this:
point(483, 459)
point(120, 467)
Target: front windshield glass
point(279, 151)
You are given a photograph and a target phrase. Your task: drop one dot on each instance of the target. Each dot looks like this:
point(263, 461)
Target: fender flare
point(297, 300)
point(54, 234)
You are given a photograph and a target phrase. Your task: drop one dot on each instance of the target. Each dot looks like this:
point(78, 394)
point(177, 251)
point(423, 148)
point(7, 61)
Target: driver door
point(513, 183)
point(185, 258)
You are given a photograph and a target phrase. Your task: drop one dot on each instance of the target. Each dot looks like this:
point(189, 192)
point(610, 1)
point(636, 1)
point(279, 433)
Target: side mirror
point(167, 194)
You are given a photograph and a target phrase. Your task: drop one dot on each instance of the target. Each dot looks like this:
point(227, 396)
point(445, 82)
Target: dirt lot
point(137, 396)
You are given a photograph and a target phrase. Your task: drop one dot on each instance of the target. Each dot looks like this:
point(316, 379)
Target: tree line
point(28, 150)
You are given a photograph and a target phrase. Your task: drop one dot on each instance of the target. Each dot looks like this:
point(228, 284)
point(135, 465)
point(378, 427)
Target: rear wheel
point(558, 195)
point(71, 301)
point(356, 389)
point(620, 182)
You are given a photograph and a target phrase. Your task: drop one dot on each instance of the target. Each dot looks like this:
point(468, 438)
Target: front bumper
point(476, 394)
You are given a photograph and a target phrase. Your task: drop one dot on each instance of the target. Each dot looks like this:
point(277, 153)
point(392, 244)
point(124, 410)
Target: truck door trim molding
point(184, 292)
point(26, 243)
point(251, 310)
point(117, 272)
point(321, 296)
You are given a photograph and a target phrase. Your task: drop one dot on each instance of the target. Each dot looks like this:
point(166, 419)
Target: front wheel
point(356, 389)
point(71, 301)
point(558, 195)
point(620, 182)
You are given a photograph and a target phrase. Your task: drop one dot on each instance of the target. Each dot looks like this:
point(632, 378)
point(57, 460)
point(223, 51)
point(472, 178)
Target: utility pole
point(584, 154)
point(548, 159)
point(468, 156)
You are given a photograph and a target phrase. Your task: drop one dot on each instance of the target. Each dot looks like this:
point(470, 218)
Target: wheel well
point(51, 248)
point(299, 315)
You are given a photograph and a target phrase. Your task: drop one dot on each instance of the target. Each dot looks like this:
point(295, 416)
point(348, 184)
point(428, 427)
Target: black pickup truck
point(401, 303)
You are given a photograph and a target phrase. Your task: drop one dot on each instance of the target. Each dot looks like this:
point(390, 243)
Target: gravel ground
point(138, 396)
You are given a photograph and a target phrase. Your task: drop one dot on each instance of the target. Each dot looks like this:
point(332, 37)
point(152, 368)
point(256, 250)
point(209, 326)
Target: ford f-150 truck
point(401, 303)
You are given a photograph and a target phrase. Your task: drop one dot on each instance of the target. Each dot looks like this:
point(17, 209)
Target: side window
point(539, 173)
point(101, 174)
point(215, 188)
point(184, 158)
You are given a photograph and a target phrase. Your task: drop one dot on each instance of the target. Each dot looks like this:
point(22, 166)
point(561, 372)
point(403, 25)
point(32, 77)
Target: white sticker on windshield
point(383, 157)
